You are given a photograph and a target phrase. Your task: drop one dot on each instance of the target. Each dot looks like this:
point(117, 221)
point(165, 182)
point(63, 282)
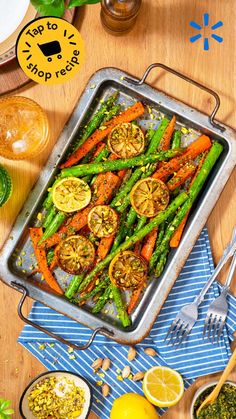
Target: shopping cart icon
point(51, 48)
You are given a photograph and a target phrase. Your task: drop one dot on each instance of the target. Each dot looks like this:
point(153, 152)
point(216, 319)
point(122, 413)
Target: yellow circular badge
point(50, 50)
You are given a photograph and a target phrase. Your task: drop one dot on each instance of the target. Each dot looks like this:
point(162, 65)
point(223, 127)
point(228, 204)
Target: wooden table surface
point(161, 35)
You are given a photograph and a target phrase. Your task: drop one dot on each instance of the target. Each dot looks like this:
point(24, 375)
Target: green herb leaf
point(49, 7)
point(75, 3)
point(4, 411)
point(4, 404)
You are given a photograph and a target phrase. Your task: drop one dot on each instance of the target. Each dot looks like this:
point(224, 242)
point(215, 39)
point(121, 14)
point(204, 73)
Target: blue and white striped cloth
point(194, 359)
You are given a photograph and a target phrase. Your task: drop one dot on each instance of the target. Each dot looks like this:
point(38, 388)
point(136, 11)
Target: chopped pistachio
point(42, 347)
point(184, 130)
point(99, 383)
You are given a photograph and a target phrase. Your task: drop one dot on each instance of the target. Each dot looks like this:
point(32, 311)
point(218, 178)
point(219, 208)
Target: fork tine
point(173, 324)
point(179, 333)
point(215, 327)
point(184, 335)
point(211, 324)
point(220, 329)
point(175, 331)
point(207, 319)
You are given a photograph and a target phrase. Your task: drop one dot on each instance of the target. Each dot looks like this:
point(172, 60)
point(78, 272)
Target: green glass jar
point(5, 186)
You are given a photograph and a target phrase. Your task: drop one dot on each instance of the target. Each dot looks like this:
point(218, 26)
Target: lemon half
point(163, 386)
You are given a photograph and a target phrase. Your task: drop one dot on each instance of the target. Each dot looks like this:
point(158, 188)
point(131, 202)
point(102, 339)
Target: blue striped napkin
point(190, 360)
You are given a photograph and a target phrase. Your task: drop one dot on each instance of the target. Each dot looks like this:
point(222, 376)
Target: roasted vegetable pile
point(119, 203)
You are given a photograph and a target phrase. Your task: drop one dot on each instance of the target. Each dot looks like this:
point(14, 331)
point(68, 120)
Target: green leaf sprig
point(5, 411)
point(57, 7)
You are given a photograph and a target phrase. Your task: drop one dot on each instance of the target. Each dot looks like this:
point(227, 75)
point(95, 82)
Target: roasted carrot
point(35, 234)
point(54, 262)
point(134, 299)
point(149, 245)
point(181, 176)
point(127, 116)
point(137, 248)
point(202, 144)
point(175, 240)
point(104, 187)
point(166, 138)
point(104, 246)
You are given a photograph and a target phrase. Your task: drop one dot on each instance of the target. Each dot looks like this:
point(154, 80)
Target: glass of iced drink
point(24, 128)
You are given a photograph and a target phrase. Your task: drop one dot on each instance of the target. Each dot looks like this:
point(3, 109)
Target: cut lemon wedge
point(75, 254)
point(71, 194)
point(163, 386)
point(126, 140)
point(149, 196)
point(103, 221)
point(127, 270)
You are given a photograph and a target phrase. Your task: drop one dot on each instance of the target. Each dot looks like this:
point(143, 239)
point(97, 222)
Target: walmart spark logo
point(206, 29)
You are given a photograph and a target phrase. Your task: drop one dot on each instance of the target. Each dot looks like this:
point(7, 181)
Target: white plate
point(14, 15)
point(12, 12)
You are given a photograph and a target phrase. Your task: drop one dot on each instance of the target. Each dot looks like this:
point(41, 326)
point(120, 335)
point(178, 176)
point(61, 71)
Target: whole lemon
point(132, 406)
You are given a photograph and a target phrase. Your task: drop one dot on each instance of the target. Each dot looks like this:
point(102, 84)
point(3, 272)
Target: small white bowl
point(200, 390)
point(78, 380)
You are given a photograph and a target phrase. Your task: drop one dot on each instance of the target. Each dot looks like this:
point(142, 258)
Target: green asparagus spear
point(49, 217)
point(111, 113)
point(96, 120)
point(163, 215)
point(122, 313)
point(156, 138)
point(48, 200)
point(54, 226)
point(102, 284)
point(194, 191)
point(112, 165)
point(73, 286)
point(161, 262)
point(102, 300)
point(176, 142)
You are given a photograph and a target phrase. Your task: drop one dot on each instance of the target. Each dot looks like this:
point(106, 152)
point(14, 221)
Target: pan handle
point(186, 78)
point(24, 291)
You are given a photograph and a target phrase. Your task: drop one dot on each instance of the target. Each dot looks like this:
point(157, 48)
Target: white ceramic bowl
point(78, 380)
point(201, 389)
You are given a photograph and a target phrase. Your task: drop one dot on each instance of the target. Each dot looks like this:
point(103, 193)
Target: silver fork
point(218, 309)
point(188, 314)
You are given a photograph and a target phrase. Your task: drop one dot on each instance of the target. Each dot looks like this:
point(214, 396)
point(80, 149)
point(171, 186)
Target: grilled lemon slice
point(71, 194)
point(127, 270)
point(149, 196)
point(103, 221)
point(126, 140)
point(75, 254)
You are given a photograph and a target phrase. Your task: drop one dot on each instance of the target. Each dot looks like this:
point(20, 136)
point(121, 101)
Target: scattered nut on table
point(106, 364)
point(150, 352)
point(138, 376)
point(126, 372)
point(105, 390)
point(97, 364)
point(131, 354)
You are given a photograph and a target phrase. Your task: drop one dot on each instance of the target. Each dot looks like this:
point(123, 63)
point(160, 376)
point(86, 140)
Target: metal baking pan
point(17, 251)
